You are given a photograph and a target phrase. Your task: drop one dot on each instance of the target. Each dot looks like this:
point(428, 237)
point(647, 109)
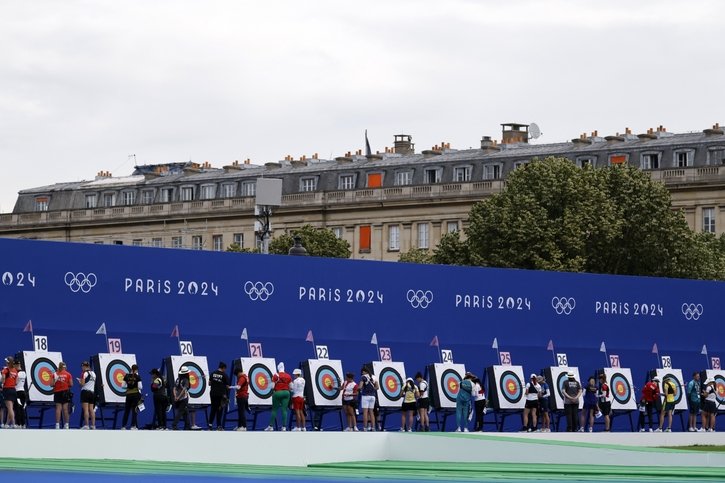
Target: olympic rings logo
point(259, 290)
point(80, 282)
point(419, 298)
point(563, 305)
point(692, 311)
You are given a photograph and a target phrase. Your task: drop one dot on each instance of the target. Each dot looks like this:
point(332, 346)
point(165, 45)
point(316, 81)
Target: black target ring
point(450, 383)
point(42, 372)
point(620, 388)
point(327, 382)
point(391, 384)
point(115, 372)
point(560, 381)
point(260, 381)
point(510, 387)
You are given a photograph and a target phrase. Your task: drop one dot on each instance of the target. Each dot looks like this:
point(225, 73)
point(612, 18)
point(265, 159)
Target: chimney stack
point(404, 144)
point(513, 133)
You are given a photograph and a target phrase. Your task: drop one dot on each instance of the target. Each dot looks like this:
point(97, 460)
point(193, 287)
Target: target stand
point(505, 390)
point(39, 367)
point(110, 391)
point(622, 390)
point(199, 399)
point(445, 381)
point(323, 384)
point(556, 376)
point(259, 371)
point(675, 375)
point(391, 379)
point(719, 376)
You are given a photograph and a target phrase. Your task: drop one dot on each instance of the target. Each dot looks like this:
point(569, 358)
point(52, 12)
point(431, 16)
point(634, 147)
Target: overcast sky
point(86, 84)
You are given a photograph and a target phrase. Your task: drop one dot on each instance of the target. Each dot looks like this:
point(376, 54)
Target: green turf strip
point(375, 470)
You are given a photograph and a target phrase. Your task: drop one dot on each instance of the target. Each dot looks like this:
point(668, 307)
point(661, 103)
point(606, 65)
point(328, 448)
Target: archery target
point(198, 376)
point(391, 377)
point(323, 379)
point(506, 387)
point(445, 383)
point(719, 376)
point(620, 386)
point(110, 371)
point(40, 367)
point(260, 372)
point(676, 376)
point(557, 377)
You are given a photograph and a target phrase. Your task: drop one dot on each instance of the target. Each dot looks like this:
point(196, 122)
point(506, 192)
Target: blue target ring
point(450, 384)
point(510, 386)
point(327, 382)
point(676, 383)
point(260, 381)
point(391, 384)
point(115, 372)
point(42, 372)
point(560, 381)
point(620, 389)
point(197, 380)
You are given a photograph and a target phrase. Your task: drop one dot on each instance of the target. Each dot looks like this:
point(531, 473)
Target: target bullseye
point(197, 381)
point(622, 390)
point(327, 382)
point(42, 371)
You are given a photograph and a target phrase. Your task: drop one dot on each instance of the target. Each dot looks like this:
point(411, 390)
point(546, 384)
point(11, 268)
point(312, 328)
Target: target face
point(259, 370)
point(675, 375)
point(620, 385)
point(557, 378)
point(445, 381)
point(510, 385)
point(390, 376)
point(115, 372)
point(324, 378)
point(719, 377)
point(40, 367)
point(505, 386)
point(198, 380)
point(110, 370)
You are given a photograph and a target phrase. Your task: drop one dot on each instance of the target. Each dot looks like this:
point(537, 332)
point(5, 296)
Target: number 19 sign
point(114, 346)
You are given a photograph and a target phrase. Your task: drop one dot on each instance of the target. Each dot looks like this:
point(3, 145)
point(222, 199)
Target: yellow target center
point(391, 384)
point(45, 377)
point(192, 379)
point(511, 386)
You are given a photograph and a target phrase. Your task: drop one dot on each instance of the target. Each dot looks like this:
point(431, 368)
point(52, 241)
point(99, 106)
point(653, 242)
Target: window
point(166, 195)
point(187, 193)
point(239, 239)
point(520, 164)
point(617, 159)
point(197, 242)
point(492, 171)
point(432, 175)
point(708, 220)
point(218, 242)
point(462, 174)
point(365, 239)
point(403, 178)
point(451, 227)
point(41, 203)
point(91, 201)
point(157, 242)
point(650, 161)
point(585, 161)
point(308, 184)
point(393, 237)
point(208, 191)
point(684, 158)
point(109, 199)
point(338, 231)
point(346, 182)
point(137, 242)
point(229, 190)
point(128, 197)
point(716, 156)
point(375, 180)
point(176, 242)
point(147, 197)
point(423, 232)
point(249, 188)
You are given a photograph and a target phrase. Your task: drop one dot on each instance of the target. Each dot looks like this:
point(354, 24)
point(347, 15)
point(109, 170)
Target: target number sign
point(562, 360)
point(715, 363)
point(666, 362)
point(322, 352)
point(505, 358)
point(114, 346)
point(186, 348)
point(613, 360)
point(385, 354)
point(447, 356)
point(40, 343)
point(255, 349)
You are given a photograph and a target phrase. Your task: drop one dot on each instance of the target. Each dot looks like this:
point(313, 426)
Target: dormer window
point(187, 193)
point(684, 158)
point(432, 175)
point(249, 188)
point(584, 161)
point(128, 197)
point(403, 178)
point(229, 190)
point(109, 199)
point(346, 182)
point(492, 171)
point(41, 203)
point(650, 160)
point(91, 200)
point(208, 191)
point(461, 174)
point(308, 184)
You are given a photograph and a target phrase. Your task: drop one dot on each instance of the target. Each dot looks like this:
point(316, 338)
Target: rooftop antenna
point(534, 131)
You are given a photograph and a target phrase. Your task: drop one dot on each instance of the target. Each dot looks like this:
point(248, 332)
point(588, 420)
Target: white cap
point(570, 375)
point(280, 367)
point(533, 376)
point(297, 372)
point(656, 379)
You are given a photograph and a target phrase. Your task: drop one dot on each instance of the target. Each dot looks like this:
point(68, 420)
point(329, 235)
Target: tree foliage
point(553, 215)
point(236, 248)
point(319, 242)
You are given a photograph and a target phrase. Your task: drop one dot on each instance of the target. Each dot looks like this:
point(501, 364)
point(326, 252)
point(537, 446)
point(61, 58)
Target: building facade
point(382, 204)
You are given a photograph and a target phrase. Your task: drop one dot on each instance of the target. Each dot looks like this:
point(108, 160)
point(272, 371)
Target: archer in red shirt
point(62, 382)
point(650, 401)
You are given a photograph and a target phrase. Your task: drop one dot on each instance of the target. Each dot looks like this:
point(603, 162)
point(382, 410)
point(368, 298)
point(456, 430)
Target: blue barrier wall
point(141, 293)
